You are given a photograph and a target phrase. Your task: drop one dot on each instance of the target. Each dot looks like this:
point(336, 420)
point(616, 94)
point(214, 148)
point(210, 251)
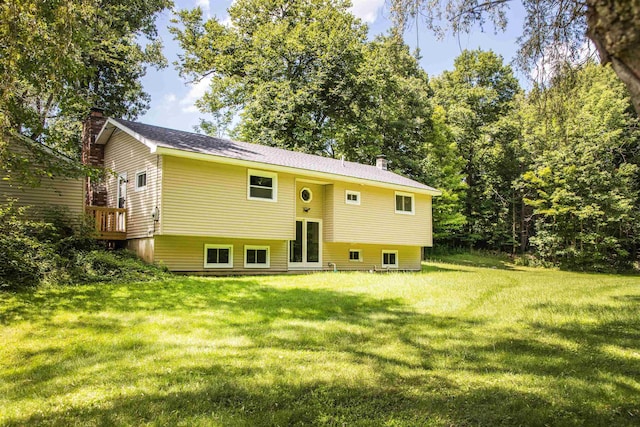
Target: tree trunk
point(614, 27)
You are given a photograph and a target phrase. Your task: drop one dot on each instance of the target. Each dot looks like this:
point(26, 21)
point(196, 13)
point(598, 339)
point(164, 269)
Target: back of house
point(210, 205)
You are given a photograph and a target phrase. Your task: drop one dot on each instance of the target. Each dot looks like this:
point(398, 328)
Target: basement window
point(218, 256)
point(389, 259)
point(355, 255)
point(256, 257)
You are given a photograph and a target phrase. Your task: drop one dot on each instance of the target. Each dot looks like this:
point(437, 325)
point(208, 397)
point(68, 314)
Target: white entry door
point(306, 250)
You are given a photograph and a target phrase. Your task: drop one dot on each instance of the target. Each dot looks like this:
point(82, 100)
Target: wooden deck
point(110, 223)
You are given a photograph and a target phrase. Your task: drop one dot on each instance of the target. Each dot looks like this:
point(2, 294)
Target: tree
point(478, 97)
point(290, 69)
point(394, 109)
point(60, 58)
point(583, 185)
point(552, 29)
point(302, 76)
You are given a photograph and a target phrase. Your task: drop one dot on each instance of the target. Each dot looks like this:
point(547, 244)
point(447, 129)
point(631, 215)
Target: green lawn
point(455, 345)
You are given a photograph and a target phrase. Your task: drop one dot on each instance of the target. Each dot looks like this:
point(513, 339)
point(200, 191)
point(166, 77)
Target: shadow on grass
point(426, 268)
point(394, 365)
point(476, 259)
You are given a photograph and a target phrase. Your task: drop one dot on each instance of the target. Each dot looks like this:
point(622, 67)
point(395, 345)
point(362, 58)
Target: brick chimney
point(381, 162)
point(93, 155)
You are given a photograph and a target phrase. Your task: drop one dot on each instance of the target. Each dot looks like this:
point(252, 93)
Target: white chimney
point(381, 162)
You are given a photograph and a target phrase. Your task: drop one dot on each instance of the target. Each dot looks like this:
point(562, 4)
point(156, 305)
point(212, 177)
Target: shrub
point(118, 265)
point(58, 249)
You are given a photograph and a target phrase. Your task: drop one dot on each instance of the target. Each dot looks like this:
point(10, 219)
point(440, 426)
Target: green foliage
point(554, 32)
point(57, 249)
point(301, 75)
point(584, 184)
point(479, 102)
point(60, 58)
point(113, 266)
point(290, 68)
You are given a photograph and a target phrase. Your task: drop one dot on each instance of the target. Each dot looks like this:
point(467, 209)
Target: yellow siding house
point(211, 205)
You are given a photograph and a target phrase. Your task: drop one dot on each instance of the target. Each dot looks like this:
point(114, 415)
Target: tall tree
point(290, 69)
point(584, 184)
point(552, 28)
point(478, 98)
point(393, 109)
point(60, 58)
point(301, 75)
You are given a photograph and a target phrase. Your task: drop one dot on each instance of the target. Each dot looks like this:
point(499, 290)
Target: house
point(51, 192)
point(210, 205)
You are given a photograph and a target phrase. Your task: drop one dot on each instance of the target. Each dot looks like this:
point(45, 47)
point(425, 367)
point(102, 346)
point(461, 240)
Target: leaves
point(60, 58)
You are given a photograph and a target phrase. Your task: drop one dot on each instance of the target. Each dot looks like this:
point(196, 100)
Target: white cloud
point(204, 5)
point(196, 91)
point(226, 21)
point(367, 10)
point(168, 101)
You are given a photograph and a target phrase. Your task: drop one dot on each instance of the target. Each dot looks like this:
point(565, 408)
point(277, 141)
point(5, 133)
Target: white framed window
point(355, 255)
point(218, 256)
point(405, 203)
point(389, 259)
point(306, 195)
point(257, 256)
point(141, 180)
point(262, 185)
point(352, 197)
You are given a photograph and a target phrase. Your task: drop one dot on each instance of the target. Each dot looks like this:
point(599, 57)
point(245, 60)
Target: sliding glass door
point(306, 249)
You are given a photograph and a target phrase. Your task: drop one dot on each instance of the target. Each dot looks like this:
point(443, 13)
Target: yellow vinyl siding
point(184, 253)
point(63, 193)
point(315, 206)
point(327, 226)
point(210, 199)
point(55, 192)
point(375, 221)
point(125, 154)
point(409, 257)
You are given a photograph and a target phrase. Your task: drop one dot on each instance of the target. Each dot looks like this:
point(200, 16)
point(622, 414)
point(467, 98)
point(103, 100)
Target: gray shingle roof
point(198, 143)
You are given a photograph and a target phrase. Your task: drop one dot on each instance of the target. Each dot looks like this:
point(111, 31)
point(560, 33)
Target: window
point(404, 203)
point(352, 197)
point(256, 257)
point(141, 180)
point(389, 259)
point(306, 195)
point(262, 185)
point(355, 255)
point(218, 256)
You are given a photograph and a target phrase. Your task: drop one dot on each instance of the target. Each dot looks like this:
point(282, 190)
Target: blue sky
point(172, 98)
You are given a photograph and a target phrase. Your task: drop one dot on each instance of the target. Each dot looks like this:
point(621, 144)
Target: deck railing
point(110, 223)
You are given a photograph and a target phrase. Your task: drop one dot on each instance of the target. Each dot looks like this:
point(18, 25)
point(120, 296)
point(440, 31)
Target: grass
point(455, 345)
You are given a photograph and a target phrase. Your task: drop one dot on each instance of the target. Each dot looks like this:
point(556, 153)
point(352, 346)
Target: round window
point(306, 195)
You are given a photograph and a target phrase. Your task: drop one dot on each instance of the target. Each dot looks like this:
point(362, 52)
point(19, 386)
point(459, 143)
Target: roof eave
point(169, 151)
point(111, 125)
